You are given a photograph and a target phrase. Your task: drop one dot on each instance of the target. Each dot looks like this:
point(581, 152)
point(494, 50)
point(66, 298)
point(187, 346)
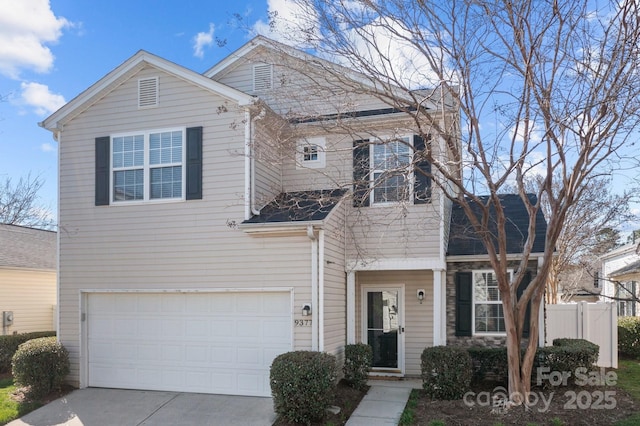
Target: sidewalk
point(384, 403)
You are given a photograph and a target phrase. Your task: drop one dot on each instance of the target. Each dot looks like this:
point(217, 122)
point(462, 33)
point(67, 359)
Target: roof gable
point(30, 248)
point(464, 241)
point(127, 69)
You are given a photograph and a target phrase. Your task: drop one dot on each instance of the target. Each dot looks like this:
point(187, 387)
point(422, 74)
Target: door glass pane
point(382, 327)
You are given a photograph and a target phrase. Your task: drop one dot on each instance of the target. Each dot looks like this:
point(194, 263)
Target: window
point(627, 294)
point(488, 316)
point(311, 153)
point(390, 174)
point(148, 166)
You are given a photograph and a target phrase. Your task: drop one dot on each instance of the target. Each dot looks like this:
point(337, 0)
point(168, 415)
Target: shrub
point(446, 372)
point(489, 362)
point(9, 345)
point(566, 355)
point(303, 385)
point(41, 364)
point(357, 363)
point(629, 336)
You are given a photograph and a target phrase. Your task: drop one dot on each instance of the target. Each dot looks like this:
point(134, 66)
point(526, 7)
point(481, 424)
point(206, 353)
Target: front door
point(383, 328)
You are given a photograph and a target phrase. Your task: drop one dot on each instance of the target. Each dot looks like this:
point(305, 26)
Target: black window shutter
point(361, 173)
point(103, 164)
point(464, 300)
point(194, 163)
point(422, 170)
point(523, 286)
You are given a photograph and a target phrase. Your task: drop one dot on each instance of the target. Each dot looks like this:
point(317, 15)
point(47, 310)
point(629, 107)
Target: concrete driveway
point(119, 407)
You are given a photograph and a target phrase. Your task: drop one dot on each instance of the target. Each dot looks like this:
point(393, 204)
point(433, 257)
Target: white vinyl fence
point(595, 322)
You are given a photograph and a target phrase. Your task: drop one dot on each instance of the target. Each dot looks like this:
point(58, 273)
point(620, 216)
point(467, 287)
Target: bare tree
point(19, 203)
point(543, 87)
point(588, 232)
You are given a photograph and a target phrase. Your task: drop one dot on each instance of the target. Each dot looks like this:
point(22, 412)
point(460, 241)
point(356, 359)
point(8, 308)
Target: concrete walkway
point(384, 403)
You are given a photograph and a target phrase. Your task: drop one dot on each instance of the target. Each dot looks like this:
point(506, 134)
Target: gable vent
point(147, 92)
point(262, 77)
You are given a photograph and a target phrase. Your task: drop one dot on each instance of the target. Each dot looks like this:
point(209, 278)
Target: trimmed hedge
point(489, 362)
point(446, 372)
point(357, 363)
point(303, 385)
point(9, 345)
point(41, 364)
point(629, 336)
point(566, 355)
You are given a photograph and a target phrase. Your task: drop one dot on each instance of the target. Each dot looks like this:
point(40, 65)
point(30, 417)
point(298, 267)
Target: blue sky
point(50, 51)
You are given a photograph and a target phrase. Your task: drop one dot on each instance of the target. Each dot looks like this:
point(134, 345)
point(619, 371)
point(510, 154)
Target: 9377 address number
point(302, 323)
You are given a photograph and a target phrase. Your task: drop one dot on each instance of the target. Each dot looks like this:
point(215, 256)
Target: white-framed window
point(147, 166)
point(391, 172)
point(311, 153)
point(488, 314)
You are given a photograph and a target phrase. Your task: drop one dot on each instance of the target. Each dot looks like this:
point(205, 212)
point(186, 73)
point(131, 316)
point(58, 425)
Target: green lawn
point(629, 380)
point(10, 409)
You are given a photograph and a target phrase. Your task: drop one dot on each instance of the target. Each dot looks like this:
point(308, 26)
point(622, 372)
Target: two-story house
point(619, 275)
point(210, 222)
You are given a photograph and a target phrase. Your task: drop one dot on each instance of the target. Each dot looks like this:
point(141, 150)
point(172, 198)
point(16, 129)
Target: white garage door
point(188, 342)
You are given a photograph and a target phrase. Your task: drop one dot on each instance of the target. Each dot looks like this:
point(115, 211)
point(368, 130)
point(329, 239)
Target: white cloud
point(39, 97)
point(26, 26)
point(202, 40)
point(47, 147)
point(288, 16)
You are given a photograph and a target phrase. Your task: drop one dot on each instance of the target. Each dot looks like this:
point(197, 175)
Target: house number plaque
point(302, 323)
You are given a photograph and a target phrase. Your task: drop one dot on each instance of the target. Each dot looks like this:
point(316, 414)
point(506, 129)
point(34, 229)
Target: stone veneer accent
point(467, 341)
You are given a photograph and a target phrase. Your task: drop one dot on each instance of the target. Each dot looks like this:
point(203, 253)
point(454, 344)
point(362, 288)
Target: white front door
point(383, 328)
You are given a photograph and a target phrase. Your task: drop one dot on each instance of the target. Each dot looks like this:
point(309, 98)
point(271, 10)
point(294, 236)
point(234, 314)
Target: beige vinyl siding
point(335, 293)
point(268, 162)
point(299, 88)
point(166, 245)
point(31, 296)
point(418, 317)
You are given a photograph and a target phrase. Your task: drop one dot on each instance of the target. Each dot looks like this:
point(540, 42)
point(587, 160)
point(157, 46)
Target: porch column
point(439, 309)
point(351, 307)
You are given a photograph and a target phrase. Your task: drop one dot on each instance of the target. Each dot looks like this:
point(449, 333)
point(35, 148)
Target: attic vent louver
point(147, 92)
point(262, 77)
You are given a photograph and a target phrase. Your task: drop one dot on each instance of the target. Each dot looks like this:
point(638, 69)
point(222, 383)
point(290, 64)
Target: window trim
point(372, 170)
point(474, 302)
point(320, 163)
point(147, 167)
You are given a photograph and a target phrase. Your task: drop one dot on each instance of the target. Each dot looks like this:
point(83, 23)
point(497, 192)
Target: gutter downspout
point(247, 164)
point(252, 159)
point(321, 290)
point(314, 288)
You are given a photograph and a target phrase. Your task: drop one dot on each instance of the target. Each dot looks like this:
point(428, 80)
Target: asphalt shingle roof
point(299, 206)
point(464, 241)
point(31, 248)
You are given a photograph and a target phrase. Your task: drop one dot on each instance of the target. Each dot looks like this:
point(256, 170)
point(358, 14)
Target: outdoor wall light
point(306, 309)
point(420, 295)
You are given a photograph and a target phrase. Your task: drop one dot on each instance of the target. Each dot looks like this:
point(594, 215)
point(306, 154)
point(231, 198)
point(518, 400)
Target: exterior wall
point(418, 317)
point(166, 245)
point(31, 295)
point(476, 340)
point(300, 88)
point(335, 289)
point(613, 261)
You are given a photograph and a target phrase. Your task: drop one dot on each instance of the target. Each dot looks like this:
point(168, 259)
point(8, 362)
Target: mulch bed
point(346, 398)
point(575, 405)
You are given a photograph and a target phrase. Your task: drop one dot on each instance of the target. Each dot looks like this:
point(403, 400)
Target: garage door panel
point(191, 342)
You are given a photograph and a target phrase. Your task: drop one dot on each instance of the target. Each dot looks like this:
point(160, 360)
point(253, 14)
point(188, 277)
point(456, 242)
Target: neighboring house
point(27, 279)
point(620, 276)
point(213, 221)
